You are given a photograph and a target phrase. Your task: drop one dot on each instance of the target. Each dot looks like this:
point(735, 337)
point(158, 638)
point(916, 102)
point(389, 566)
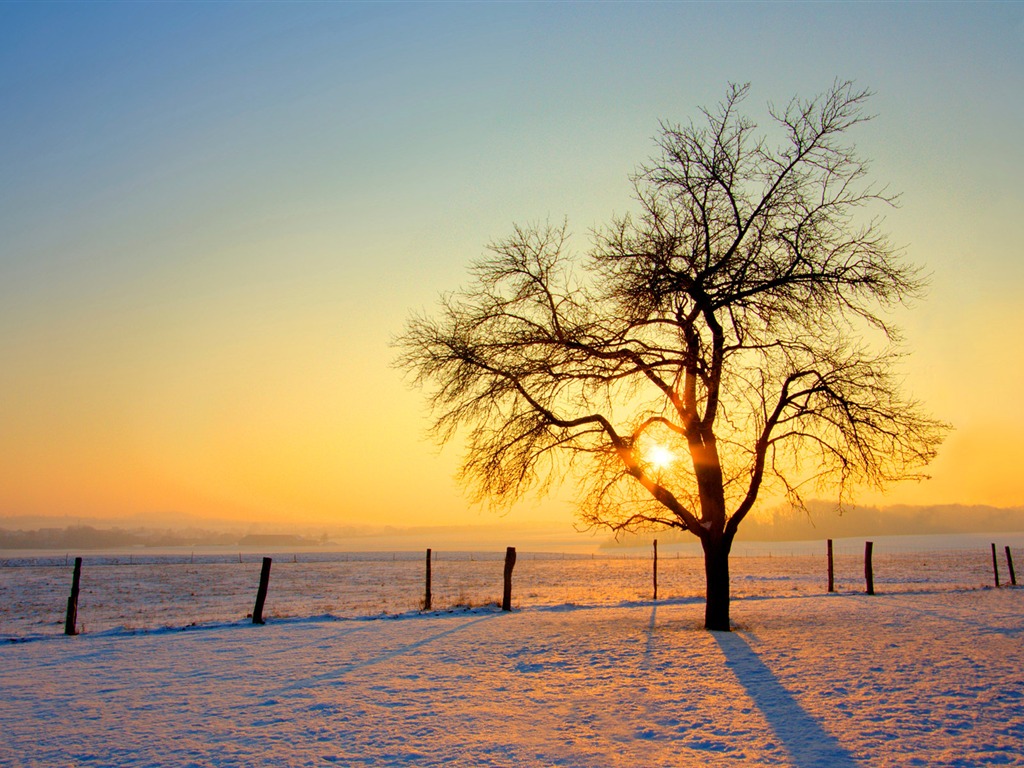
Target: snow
point(146, 590)
point(924, 676)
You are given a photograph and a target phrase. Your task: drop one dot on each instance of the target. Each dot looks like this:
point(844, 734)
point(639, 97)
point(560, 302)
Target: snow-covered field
point(918, 678)
point(925, 673)
point(146, 590)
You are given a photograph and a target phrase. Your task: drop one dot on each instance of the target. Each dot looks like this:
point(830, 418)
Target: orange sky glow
point(214, 219)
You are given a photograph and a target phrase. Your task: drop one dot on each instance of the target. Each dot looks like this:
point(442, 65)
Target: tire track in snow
point(938, 615)
point(346, 668)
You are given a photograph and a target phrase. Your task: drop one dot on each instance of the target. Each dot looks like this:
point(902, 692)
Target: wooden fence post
point(869, 575)
point(655, 569)
point(426, 595)
point(1009, 567)
point(831, 569)
point(510, 563)
point(261, 594)
point(995, 564)
point(71, 618)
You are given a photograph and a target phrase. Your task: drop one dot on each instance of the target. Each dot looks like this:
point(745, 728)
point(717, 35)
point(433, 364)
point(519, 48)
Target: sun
point(660, 457)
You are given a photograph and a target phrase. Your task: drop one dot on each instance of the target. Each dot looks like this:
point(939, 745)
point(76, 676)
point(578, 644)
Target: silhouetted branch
point(729, 317)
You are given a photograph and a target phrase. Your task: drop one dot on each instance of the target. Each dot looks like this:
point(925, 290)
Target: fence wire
point(155, 591)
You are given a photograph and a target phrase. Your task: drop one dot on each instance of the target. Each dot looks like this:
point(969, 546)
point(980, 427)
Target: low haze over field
point(215, 217)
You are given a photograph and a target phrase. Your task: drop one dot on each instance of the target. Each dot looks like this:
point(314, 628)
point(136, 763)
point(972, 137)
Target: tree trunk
point(716, 571)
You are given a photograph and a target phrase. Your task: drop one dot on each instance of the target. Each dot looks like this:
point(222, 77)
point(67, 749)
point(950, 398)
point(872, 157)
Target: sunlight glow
point(660, 457)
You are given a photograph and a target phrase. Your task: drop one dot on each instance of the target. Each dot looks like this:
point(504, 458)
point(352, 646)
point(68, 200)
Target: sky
point(214, 217)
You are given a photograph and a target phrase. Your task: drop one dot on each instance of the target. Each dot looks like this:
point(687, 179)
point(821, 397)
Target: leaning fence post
point(831, 570)
point(995, 564)
point(1009, 567)
point(426, 596)
point(261, 594)
point(869, 575)
point(655, 569)
point(510, 563)
point(72, 615)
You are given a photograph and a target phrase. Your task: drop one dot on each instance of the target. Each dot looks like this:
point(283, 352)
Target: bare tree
point(729, 338)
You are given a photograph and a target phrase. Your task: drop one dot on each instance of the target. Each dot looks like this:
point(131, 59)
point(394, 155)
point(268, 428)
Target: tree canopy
point(728, 336)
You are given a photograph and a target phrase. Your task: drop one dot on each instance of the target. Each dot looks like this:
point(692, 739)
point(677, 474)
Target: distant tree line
point(88, 537)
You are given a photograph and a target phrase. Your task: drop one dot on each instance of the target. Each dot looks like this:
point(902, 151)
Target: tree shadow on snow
point(807, 743)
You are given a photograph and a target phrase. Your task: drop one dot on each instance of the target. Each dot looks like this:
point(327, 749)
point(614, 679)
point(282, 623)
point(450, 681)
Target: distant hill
point(823, 520)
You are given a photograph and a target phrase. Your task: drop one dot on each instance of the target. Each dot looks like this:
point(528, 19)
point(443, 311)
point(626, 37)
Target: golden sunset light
point(511, 384)
point(216, 222)
point(659, 457)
